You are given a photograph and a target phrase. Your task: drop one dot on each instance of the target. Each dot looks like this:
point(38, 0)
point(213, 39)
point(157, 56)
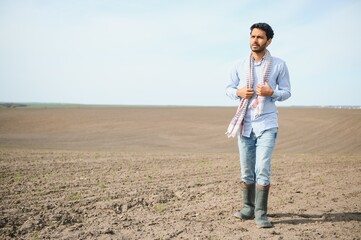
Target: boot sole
point(268, 226)
point(264, 226)
point(237, 215)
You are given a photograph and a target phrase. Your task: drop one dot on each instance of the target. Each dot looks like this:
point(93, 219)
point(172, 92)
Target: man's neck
point(257, 56)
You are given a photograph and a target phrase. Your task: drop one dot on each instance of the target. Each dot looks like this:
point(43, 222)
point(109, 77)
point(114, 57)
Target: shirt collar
point(259, 63)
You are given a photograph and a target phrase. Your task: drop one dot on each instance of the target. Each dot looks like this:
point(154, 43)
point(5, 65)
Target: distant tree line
point(12, 105)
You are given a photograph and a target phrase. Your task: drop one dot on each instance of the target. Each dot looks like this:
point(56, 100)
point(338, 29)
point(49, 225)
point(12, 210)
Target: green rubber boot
point(261, 207)
point(247, 211)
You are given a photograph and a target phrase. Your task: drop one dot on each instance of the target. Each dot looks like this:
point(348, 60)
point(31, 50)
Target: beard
point(258, 48)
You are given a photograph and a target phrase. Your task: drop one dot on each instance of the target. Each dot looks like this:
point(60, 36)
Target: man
point(258, 82)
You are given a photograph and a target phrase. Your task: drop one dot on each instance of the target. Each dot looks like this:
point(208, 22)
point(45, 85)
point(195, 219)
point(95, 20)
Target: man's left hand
point(264, 90)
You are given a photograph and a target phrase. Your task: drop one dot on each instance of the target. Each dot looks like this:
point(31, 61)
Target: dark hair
point(265, 27)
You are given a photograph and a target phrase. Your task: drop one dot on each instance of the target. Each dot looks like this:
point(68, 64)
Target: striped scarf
point(257, 104)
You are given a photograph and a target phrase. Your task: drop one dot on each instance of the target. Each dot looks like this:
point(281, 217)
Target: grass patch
point(36, 235)
point(102, 185)
point(149, 179)
point(160, 207)
point(17, 177)
point(76, 197)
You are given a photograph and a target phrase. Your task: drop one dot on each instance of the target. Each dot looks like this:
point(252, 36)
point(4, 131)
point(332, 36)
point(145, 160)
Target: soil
point(171, 173)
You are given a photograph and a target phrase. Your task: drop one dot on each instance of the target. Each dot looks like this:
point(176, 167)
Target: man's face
point(259, 42)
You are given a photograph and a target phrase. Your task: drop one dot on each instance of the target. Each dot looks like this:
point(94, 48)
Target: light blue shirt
point(280, 83)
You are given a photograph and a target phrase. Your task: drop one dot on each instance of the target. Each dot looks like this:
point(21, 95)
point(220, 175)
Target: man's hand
point(245, 92)
point(264, 90)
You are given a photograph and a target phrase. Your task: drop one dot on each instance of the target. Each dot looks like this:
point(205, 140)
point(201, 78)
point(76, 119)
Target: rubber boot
point(261, 207)
point(247, 211)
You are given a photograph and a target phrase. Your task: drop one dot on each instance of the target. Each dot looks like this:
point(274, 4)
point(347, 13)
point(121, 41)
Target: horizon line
point(59, 105)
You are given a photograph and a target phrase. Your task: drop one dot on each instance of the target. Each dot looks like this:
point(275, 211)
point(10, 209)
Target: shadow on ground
point(313, 218)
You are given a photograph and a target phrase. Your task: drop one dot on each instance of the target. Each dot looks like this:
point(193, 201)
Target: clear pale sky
point(172, 52)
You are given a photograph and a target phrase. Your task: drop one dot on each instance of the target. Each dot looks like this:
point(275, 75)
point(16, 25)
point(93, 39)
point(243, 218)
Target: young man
point(258, 82)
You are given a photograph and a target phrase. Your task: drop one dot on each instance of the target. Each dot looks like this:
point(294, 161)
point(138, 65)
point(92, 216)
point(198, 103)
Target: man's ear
point(269, 41)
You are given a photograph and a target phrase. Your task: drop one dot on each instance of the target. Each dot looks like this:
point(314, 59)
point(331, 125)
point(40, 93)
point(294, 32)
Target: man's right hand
point(245, 92)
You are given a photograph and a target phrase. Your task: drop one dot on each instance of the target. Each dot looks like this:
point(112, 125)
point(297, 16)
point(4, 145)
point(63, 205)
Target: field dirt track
point(171, 173)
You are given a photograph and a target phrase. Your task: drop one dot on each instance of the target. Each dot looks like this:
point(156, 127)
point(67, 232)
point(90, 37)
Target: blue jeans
point(255, 156)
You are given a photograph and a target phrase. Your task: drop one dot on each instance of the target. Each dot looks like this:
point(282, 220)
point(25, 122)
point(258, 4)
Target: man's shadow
point(313, 218)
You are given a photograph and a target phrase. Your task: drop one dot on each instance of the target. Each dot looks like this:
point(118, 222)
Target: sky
point(158, 52)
